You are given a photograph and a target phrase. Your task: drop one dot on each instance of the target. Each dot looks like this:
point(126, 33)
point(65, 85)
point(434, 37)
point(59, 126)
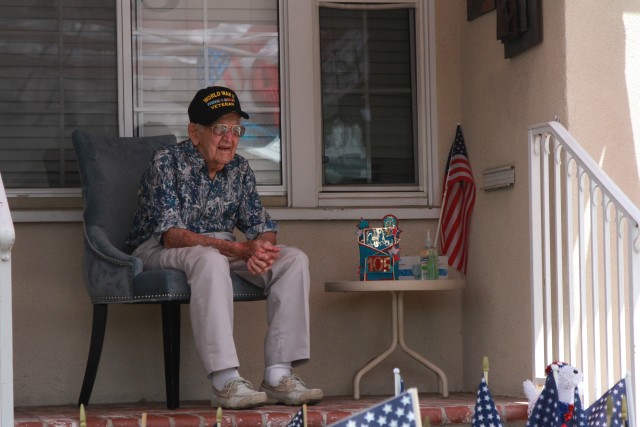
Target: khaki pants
point(286, 286)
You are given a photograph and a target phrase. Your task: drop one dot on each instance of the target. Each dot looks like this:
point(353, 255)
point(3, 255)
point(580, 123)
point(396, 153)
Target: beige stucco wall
point(52, 321)
point(603, 65)
point(586, 73)
point(500, 98)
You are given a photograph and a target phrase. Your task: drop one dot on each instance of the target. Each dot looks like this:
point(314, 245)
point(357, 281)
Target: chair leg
point(95, 350)
point(171, 342)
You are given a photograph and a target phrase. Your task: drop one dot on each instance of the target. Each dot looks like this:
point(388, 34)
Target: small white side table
point(396, 288)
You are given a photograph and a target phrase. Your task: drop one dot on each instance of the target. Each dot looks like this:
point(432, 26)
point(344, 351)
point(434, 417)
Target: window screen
point(58, 72)
point(184, 45)
point(368, 96)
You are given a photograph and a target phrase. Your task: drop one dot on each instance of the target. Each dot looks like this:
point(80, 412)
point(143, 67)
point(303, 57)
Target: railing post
point(634, 326)
point(535, 224)
point(7, 238)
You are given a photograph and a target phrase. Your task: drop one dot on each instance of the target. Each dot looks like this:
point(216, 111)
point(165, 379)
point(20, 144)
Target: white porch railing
point(585, 265)
point(7, 238)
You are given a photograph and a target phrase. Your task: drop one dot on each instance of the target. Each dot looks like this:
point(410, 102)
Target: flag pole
point(83, 416)
point(444, 198)
point(485, 369)
point(444, 195)
point(304, 415)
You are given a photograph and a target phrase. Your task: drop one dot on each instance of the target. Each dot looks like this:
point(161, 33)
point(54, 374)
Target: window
point(376, 130)
point(368, 83)
point(57, 72)
point(181, 46)
point(340, 93)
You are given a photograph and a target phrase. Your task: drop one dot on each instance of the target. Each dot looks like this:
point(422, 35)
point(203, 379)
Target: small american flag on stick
point(402, 410)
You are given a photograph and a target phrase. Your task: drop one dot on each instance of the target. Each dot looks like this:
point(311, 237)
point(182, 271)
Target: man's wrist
point(229, 248)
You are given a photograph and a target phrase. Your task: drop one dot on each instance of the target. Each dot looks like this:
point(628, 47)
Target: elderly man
point(192, 197)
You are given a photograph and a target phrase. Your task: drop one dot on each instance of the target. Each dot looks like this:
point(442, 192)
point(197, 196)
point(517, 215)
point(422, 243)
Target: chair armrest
point(99, 241)
point(108, 272)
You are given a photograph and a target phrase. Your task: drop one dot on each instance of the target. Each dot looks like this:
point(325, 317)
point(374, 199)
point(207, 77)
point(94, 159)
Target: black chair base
point(95, 350)
point(171, 343)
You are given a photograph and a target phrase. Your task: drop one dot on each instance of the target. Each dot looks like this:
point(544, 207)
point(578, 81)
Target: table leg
point(376, 361)
point(397, 330)
point(403, 345)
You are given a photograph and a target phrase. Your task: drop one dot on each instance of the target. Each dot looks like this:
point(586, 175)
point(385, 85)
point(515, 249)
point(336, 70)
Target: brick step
point(455, 410)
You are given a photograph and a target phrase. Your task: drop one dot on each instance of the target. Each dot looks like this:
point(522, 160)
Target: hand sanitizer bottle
point(428, 260)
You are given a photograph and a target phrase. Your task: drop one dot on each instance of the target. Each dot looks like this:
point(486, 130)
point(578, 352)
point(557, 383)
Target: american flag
point(298, 419)
point(546, 413)
point(597, 413)
point(402, 410)
point(459, 197)
point(579, 418)
point(575, 417)
point(549, 411)
point(485, 413)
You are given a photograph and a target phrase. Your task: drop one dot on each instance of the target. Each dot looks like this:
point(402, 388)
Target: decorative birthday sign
point(379, 249)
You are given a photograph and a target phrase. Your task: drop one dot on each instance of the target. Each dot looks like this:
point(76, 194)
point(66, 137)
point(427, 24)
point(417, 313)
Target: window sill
point(37, 203)
point(68, 208)
point(279, 214)
point(44, 208)
point(353, 213)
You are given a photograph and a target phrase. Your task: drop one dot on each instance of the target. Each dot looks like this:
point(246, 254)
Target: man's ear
point(194, 133)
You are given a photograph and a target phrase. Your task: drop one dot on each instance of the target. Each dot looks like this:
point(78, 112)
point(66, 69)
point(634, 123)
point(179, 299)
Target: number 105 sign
point(379, 250)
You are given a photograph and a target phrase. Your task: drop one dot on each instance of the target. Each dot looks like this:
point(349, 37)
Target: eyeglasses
point(222, 129)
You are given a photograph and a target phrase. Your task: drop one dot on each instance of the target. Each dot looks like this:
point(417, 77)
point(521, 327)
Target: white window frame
point(301, 111)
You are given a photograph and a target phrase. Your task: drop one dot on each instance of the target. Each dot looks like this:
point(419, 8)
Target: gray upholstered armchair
point(110, 171)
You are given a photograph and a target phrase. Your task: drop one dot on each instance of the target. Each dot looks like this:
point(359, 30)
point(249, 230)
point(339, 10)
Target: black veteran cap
point(213, 102)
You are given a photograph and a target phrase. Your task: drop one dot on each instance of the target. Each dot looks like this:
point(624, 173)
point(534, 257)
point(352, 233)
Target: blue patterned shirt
point(176, 192)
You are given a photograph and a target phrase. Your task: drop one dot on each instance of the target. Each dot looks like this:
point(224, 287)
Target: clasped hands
point(261, 255)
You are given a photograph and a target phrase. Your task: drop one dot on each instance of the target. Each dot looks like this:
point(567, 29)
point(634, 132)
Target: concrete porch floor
point(457, 409)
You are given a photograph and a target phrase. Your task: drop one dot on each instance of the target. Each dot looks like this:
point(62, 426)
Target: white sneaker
point(237, 393)
point(291, 391)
